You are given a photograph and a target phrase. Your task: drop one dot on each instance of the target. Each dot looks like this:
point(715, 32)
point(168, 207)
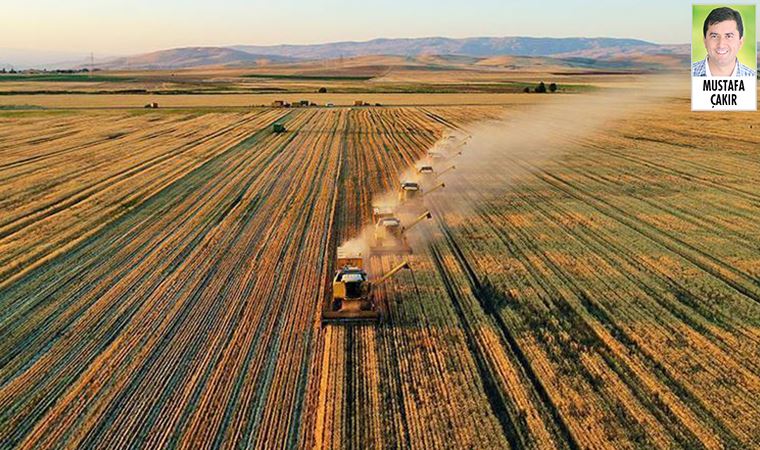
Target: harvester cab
point(351, 283)
point(426, 170)
point(382, 212)
point(388, 237)
point(388, 228)
point(352, 298)
point(426, 173)
point(435, 157)
point(410, 190)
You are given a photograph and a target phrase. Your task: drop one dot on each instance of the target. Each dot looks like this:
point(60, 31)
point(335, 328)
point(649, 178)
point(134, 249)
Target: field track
point(161, 276)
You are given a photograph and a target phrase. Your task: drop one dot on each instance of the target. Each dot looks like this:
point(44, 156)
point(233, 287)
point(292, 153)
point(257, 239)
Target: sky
point(121, 27)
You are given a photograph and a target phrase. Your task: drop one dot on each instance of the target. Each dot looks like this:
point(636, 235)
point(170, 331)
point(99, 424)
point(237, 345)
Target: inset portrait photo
point(723, 41)
point(723, 58)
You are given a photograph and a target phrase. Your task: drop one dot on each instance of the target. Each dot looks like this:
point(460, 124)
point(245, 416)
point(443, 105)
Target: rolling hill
point(421, 51)
point(478, 47)
point(179, 58)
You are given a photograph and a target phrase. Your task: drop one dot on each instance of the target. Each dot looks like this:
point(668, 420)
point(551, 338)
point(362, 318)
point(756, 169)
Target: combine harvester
point(435, 157)
point(427, 173)
point(352, 298)
point(446, 151)
point(411, 192)
point(381, 212)
point(410, 196)
point(453, 143)
point(389, 237)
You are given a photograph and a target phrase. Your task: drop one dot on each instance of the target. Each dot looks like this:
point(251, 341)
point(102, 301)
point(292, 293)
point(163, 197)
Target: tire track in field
point(583, 300)
point(11, 226)
point(207, 171)
point(488, 307)
point(742, 283)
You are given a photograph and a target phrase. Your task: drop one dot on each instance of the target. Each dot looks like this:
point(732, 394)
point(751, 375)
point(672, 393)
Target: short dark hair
point(718, 15)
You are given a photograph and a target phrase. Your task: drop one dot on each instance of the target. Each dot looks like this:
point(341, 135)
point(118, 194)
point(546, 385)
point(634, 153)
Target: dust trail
point(485, 154)
point(358, 245)
point(488, 165)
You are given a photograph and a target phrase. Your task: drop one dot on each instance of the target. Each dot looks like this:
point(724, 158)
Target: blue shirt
point(699, 69)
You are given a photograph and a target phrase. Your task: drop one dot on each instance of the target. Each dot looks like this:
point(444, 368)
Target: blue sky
point(132, 26)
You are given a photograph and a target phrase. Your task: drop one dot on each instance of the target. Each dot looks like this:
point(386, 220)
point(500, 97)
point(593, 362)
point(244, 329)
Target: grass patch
point(509, 87)
point(310, 77)
point(42, 112)
point(61, 77)
point(20, 107)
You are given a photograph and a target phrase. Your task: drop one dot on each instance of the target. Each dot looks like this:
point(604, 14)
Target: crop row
point(188, 316)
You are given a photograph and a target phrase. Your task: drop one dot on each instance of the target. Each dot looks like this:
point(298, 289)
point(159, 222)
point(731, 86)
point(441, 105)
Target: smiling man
point(723, 31)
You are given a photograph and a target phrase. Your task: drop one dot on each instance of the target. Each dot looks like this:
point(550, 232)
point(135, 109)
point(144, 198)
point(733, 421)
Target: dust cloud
point(491, 156)
point(499, 151)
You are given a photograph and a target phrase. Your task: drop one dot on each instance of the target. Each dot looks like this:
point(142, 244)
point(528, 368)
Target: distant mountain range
point(479, 47)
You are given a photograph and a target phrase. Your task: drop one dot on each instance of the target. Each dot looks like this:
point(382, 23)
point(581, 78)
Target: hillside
point(479, 46)
point(421, 50)
point(192, 57)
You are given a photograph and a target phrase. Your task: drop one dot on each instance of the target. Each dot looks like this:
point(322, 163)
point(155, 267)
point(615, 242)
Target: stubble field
point(162, 273)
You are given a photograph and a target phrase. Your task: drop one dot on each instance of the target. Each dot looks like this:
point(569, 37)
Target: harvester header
point(351, 298)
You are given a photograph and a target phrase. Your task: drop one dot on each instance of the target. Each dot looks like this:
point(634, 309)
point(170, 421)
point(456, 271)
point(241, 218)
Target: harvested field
point(111, 101)
point(161, 277)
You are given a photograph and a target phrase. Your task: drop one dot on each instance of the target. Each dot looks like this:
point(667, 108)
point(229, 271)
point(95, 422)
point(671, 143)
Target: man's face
point(723, 42)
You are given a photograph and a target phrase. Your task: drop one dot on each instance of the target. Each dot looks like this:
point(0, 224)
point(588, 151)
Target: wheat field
point(162, 274)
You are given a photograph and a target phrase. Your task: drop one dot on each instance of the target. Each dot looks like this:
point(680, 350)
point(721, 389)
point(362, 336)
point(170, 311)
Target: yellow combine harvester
point(427, 174)
point(410, 196)
point(410, 191)
point(390, 236)
point(382, 212)
point(435, 157)
point(352, 298)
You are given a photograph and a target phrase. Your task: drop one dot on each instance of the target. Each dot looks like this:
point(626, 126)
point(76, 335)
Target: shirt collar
point(733, 74)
